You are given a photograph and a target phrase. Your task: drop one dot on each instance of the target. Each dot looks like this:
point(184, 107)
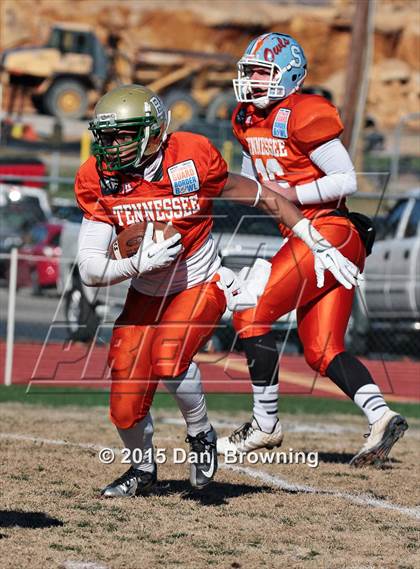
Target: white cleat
point(383, 434)
point(250, 437)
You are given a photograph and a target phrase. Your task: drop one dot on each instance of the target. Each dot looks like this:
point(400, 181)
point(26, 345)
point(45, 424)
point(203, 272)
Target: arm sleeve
point(95, 268)
point(247, 168)
point(217, 173)
point(340, 180)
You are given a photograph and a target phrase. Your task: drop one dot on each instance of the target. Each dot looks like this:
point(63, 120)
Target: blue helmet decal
point(282, 62)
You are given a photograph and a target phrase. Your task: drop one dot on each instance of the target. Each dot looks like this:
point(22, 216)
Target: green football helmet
point(129, 126)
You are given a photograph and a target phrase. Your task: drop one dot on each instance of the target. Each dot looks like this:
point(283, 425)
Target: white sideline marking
point(289, 427)
point(274, 481)
point(282, 483)
point(59, 442)
point(316, 428)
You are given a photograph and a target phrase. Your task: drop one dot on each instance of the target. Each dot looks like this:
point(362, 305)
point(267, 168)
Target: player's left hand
point(243, 291)
point(346, 272)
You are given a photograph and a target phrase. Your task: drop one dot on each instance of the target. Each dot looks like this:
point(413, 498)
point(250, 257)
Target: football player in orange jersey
point(178, 290)
point(291, 144)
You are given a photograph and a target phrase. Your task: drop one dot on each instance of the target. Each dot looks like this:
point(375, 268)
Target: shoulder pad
point(315, 121)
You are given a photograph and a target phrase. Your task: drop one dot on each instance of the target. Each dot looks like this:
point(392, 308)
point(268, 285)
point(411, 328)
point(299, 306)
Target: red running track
point(80, 365)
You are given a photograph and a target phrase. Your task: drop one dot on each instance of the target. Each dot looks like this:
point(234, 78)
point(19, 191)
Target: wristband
point(258, 196)
point(309, 235)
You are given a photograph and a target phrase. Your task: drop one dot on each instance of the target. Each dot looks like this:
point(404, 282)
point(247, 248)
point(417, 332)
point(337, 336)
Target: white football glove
point(153, 256)
point(343, 270)
point(243, 291)
point(327, 257)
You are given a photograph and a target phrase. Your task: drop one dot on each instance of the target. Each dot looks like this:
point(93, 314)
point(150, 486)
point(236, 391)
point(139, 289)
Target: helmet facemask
point(112, 150)
point(258, 91)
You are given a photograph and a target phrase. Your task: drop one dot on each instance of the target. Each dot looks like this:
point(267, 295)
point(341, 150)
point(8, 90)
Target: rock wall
point(323, 28)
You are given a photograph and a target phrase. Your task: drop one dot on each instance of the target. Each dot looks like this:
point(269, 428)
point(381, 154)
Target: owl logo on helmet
point(272, 68)
point(129, 127)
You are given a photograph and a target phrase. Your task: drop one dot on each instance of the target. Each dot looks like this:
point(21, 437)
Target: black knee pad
point(262, 359)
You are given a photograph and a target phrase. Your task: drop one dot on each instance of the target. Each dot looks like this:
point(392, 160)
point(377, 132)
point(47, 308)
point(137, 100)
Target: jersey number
point(270, 171)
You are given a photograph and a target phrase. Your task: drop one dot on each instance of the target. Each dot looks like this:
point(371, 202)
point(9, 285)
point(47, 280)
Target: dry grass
point(238, 522)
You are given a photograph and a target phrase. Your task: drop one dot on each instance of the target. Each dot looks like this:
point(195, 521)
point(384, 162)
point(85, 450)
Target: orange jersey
point(192, 172)
point(280, 142)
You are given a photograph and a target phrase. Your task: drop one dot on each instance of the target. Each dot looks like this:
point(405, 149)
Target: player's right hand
point(346, 272)
point(327, 257)
point(153, 256)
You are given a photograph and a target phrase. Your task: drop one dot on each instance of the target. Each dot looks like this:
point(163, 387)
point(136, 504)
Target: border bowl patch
point(280, 123)
point(184, 178)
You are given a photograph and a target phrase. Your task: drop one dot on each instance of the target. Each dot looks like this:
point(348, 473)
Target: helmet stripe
point(259, 43)
point(250, 47)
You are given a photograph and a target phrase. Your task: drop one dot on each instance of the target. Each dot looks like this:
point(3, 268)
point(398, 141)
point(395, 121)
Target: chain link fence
point(386, 316)
point(385, 322)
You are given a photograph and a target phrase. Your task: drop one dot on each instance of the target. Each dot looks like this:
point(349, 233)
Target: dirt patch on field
point(51, 515)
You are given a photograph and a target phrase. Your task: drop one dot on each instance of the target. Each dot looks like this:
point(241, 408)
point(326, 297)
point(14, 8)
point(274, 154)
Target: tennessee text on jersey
point(165, 209)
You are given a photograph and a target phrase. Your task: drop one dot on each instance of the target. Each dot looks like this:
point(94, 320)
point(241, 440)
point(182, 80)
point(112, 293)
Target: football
point(129, 240)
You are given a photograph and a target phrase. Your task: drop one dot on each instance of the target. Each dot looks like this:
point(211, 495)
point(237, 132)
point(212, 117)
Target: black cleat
point(132, 483)
point(203, 458)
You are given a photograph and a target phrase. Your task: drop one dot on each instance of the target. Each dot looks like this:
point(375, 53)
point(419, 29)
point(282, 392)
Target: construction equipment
point(191, 83)
point(61, 76)
point(68, 75)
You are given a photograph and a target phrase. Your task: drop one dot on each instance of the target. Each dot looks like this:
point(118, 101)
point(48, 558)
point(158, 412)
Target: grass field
point(254, 515)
